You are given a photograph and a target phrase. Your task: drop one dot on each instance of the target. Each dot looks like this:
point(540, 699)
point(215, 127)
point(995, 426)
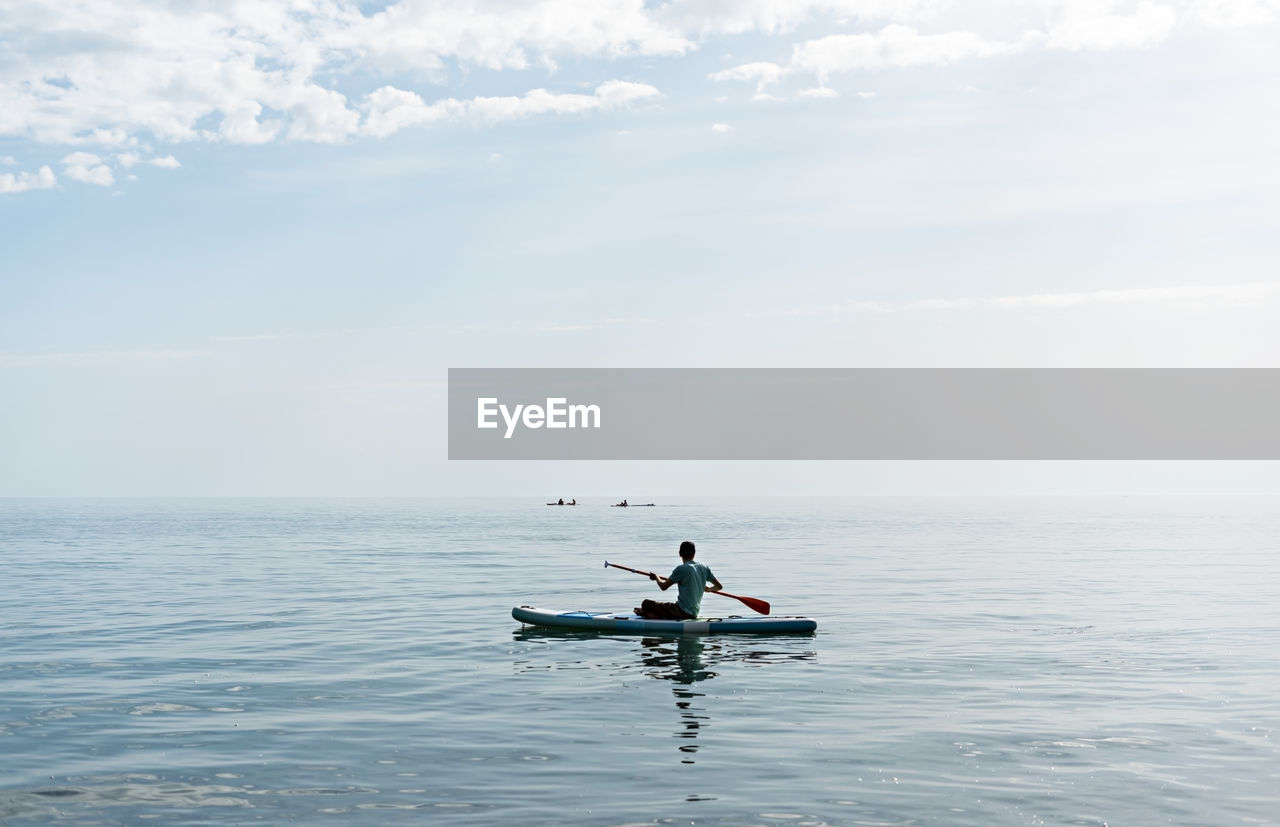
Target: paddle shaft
point(754, 603)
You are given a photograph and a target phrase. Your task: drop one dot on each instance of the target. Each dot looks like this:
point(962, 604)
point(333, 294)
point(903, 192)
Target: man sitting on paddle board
point(692, 579)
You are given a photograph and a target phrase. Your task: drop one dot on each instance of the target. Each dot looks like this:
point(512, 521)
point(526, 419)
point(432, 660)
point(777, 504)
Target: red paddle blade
point(754, 603)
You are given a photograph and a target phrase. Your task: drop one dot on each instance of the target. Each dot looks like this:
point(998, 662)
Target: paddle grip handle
point(627, 568)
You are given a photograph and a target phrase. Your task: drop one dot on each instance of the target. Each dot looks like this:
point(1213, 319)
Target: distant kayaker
point(574, 501)
point(561, 501)
point(692, 578)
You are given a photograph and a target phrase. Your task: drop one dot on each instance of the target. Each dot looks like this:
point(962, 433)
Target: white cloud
point(819, 92)
point(128, 160)
point(706, 17)
point(423, 35)
point(720, 127)
point(763, 73)
point(615, 93)
point(87, 168)
point(893, 47)
point(112, 73)
point(319, 114)
point(1093, 26)
point(105, 71)
point(1231, 13)
point(241, 125)
point(41, 179)
point(389, 109)
point(534, 102)
point(8, 161)
point(1071, 25)
point(540, 101)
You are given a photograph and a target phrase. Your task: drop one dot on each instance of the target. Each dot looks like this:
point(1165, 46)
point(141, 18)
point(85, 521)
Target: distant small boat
point(561, 503)
point(632, 505)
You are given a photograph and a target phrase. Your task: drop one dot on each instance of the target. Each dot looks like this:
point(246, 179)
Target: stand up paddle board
point(629, 623)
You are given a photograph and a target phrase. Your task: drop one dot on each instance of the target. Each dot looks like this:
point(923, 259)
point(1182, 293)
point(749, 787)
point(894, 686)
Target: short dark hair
point(687, 550)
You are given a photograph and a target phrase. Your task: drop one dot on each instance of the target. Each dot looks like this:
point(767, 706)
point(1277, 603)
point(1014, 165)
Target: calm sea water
point(977, 661)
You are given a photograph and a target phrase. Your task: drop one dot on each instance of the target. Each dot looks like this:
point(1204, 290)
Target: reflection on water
point(681, 662)
point(686, 661)
point(679, 659)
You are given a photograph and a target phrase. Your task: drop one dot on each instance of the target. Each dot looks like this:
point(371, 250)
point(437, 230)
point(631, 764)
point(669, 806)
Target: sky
point(242, 243)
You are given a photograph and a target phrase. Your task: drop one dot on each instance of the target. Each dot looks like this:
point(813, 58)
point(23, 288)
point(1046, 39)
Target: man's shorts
point(654, 610)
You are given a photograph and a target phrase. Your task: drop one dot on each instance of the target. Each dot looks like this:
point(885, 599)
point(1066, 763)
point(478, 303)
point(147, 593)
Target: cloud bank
point(113, 73)
point(1066, 25)
point(116, 78)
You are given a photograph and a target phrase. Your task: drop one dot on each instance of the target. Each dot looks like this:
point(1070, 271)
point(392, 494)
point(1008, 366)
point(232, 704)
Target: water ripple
point(977, 662)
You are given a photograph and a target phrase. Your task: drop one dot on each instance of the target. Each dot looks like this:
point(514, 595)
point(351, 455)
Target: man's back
point(691, 576)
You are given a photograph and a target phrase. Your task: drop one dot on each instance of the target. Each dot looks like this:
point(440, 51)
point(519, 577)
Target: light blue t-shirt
point(692, 579)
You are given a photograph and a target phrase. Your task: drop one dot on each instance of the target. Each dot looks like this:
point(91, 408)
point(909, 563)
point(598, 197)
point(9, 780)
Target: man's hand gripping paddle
point(754, 603)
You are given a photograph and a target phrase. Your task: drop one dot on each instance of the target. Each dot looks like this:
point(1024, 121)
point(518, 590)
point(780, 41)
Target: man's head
point(687, 550)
